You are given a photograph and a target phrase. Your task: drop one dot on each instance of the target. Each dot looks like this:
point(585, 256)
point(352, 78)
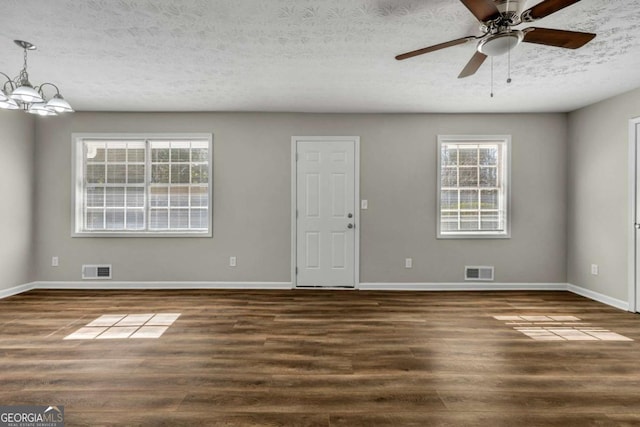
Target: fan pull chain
point(492, 76)
point(509, 64)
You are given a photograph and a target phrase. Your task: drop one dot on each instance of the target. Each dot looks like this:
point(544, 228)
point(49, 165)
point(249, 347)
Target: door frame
point(634, 135)
point(294, 203)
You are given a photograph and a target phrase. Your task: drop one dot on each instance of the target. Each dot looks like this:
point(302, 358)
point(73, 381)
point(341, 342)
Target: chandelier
point(19, 93)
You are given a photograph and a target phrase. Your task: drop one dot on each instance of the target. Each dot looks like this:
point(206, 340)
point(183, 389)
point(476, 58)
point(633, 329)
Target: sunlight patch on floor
point(122, 326)
point(559, 328)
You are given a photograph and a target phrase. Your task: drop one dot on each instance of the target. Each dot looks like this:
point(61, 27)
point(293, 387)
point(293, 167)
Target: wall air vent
point(96, 272)
point(484, 273)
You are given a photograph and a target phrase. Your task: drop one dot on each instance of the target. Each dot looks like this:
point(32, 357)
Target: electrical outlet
point(232, 261)
point(54, 261)
point(594, 269)
point(408, 263)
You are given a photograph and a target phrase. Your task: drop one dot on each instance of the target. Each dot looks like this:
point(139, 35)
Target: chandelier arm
point(40, 91)
point(8, 82)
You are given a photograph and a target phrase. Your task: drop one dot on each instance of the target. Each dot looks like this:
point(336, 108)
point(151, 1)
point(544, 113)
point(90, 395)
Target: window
point(142, 185)
point(473, 193)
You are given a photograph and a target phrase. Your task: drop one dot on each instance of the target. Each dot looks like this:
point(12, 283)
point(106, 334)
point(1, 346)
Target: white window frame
point(77, 161)
point(506, 184)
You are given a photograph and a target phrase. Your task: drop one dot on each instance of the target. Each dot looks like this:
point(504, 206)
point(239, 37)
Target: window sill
point(142, 234)
point(474, 236)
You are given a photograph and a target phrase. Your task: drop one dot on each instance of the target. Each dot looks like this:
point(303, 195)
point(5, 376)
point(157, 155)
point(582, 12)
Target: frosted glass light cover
point(41, 109)
point(9, 104)
point(500, 44)
point(59, 104)
point(27, 94)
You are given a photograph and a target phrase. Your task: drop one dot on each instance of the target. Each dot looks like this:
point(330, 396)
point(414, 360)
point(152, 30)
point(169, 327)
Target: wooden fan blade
point(472, 66)
point(558, 38)
point(433, 48)
point(545, 8)
point(483, 10)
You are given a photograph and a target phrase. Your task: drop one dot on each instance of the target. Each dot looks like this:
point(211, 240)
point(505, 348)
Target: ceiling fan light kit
point(19, 93)
point(497, 20)
point(501, 43)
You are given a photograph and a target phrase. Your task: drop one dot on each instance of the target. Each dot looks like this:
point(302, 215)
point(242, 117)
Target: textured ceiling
point(309, 55)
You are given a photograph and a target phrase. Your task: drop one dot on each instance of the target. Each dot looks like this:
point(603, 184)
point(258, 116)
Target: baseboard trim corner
point(15, 290)
point(596, 296)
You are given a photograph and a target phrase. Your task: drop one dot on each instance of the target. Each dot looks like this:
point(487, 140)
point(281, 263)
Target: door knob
point(637, 226)
point(350, 215)
point(350, 226)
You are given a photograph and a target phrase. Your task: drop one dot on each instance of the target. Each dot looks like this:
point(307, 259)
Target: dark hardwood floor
point(320, 358)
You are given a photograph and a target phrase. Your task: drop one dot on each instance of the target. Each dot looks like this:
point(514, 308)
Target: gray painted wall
point(252, 198)
point(597, 196)
point(16, 193)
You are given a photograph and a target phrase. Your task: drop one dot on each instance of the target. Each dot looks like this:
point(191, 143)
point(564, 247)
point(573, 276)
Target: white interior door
point(326, 221)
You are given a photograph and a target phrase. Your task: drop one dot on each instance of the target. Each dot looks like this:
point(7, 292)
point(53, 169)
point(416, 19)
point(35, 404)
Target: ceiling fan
point(497, 22)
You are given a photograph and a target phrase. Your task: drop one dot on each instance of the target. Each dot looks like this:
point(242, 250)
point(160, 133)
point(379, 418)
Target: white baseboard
point(120, 285)
point(15, 290)
point(472, 286)
point(596, 296)
point(476, 286)
point(469, 286)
